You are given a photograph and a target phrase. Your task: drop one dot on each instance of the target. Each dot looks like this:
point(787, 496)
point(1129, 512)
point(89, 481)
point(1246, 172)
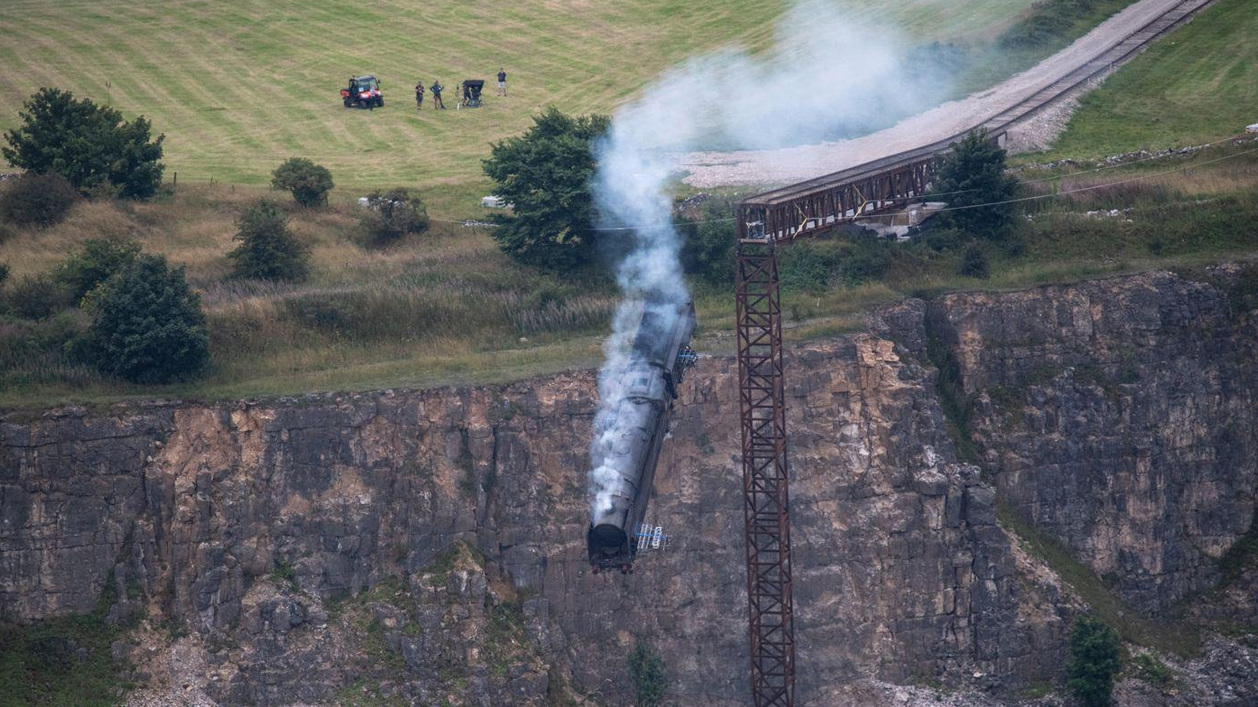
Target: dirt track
point(794, 164)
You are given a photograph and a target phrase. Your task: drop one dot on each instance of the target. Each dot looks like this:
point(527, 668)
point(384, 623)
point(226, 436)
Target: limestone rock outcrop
point(1116, 415)
point(428, 545)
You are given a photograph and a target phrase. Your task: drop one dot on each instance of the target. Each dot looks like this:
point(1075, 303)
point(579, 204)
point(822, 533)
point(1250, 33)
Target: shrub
point(972, 174)
point(807, 265)
point(647, 672)
point(974, 262)
point(710, 245)
point(944, 240)
point(4, 273)
point(95, 261)
point(37, 200)
point(148, 325)
point(392, 215)
point(545, 174)
point(1148, 668)
point(816, 265)
point(267, 250)
point(87, 144)
point(867, 259)
point(36, 297)
point(1094, 660)
point(308, 182)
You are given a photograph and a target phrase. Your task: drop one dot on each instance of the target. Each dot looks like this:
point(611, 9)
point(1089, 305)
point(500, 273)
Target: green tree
point(1094, 660)
point(268, 250)
point(545, 175)
point(90, 146)
point(148, 326)
point(37, 200)
point(647, 672)
point(392, 215)
point(96, 260)
point(308, 182)
point(974, 262)
point(711, 240)
point(972, 178)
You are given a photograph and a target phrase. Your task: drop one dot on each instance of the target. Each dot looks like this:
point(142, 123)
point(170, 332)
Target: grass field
point(1196, 86)
point(237, 87)
point(447, 306)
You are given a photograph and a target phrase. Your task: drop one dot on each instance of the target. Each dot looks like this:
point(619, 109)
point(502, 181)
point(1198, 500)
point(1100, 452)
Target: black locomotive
point(659, 357)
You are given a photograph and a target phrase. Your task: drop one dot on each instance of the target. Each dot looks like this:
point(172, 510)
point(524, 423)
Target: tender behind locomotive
point(659, 357)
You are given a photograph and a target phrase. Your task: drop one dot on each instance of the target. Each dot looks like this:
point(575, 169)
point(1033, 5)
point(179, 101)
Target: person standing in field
point(419, 95)
point(436, 95)
point(502, 82)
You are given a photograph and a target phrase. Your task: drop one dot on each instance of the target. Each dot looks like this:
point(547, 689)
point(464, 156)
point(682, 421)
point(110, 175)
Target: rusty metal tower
point(767, 507)
point(766, 222)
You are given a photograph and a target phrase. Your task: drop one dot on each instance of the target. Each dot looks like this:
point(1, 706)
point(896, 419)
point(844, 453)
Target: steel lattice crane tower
point(765, 222)
point(761, 398)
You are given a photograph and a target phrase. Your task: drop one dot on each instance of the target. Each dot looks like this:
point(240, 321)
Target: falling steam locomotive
point(630, 445)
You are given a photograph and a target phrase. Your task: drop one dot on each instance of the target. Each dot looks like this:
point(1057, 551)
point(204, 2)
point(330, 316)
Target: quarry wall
point(430, 544)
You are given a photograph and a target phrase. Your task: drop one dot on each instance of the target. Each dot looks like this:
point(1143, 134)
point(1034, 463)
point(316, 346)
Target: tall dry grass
point(446, 292)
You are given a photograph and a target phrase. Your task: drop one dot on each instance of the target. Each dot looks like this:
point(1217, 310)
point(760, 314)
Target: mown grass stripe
point(239, 86)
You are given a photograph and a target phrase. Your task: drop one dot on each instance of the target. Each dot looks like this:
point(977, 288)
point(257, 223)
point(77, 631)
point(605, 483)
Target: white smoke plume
point(829, 75)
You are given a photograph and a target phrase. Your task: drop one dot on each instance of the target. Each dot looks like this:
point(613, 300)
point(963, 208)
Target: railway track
point(1102, 64)
point(792, 210)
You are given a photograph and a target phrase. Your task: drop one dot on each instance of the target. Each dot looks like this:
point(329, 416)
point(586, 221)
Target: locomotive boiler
point(629, 442)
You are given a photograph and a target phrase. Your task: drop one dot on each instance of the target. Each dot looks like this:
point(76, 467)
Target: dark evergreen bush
point(972, 180)
point(1094, 661)
point(148, 325)
point(268, 250)
point(646, 669)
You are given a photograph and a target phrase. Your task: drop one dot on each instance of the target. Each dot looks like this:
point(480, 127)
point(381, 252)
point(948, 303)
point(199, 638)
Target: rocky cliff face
point(1117, 416)
point(423, 546)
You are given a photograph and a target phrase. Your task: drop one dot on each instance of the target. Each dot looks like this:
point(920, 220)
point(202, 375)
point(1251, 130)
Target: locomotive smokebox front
point(607, 536)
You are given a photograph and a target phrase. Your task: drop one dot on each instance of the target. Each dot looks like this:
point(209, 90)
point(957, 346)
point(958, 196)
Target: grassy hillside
point(1198, 85)
point(448, 307)
point(238, 86)
point(238, 89)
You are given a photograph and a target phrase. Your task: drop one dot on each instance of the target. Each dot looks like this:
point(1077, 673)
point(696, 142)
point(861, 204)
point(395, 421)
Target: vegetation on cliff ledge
point(65, 661)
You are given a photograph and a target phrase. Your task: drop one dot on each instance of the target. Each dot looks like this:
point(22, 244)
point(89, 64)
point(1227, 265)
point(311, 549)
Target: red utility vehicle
point(362, 91)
